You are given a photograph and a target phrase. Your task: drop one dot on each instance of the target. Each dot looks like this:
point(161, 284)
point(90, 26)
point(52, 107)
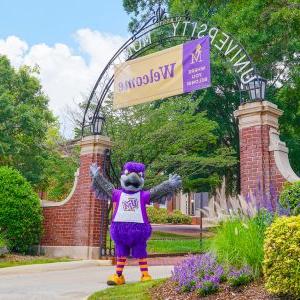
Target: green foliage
point(141, 10)
point(176, 246)
point(137, 291)
point(20, 211)
point(208, 288)
point(2, 240)
point(240, 242)
point(269, 31)
point(161, 216)
point(237, 281)
point(31, 260)
point(61, 164)
point(290, 197)
point(169, 137)
point(282, 256)
point(24, 119)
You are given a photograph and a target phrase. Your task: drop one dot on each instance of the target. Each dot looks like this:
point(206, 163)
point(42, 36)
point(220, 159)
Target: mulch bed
point(254, 291)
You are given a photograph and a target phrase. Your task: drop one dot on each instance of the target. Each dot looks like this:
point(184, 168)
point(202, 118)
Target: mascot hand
point(175, 181)
point(94, 169)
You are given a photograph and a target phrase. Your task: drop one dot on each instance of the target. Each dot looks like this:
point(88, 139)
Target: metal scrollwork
point(160, 15)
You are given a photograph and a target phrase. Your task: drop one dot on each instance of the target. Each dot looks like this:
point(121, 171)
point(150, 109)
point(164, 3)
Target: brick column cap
point(94, 144)
point(258, 113)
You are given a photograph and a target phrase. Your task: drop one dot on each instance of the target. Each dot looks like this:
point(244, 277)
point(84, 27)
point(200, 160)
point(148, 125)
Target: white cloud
point(67, 74)
point(14, 48)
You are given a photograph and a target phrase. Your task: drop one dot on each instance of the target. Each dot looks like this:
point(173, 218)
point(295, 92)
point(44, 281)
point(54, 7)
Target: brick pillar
point(264, 161)
point(73, 226)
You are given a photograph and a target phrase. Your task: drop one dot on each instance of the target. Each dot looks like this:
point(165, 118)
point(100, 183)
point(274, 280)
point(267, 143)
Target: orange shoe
point(116, 280)
point(146, 278)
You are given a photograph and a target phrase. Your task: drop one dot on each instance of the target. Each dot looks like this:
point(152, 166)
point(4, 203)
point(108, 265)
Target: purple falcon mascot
point(130, 228)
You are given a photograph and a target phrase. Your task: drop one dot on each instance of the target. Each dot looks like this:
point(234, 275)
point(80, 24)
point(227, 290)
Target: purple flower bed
point(204, 274)
point(198, 272)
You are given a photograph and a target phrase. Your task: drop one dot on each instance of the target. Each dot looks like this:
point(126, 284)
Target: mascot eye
point(141, 174)
point(126, 172)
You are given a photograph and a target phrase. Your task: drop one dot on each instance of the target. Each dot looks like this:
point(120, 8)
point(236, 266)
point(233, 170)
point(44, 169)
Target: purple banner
point(196, 65)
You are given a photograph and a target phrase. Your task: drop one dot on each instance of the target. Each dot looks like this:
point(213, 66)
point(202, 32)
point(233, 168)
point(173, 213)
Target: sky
point(70, 41)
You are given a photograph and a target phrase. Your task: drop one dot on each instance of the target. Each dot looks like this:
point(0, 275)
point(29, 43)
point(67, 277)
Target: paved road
point(70, 280)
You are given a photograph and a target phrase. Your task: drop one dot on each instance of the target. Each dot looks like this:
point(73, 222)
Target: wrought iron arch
point(146, 41)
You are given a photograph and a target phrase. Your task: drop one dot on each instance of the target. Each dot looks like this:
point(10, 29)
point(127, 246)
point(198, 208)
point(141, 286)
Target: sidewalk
point(67, 280)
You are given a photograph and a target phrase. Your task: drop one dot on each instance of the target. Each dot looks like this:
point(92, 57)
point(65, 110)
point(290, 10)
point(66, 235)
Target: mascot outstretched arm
point(130, 228)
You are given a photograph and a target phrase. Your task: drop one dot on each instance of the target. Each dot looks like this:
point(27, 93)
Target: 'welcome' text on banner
point(180, 69)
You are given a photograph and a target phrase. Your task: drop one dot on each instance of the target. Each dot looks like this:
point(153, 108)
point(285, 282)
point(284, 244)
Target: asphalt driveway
point(68, 280)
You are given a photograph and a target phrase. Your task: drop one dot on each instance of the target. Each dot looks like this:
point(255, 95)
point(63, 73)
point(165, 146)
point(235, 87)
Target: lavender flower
point(198, 272)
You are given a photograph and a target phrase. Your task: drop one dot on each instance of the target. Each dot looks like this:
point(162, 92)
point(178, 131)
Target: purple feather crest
point(133, 166)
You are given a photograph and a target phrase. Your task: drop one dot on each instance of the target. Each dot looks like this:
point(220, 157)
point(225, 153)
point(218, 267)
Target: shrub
point(161, 216)
point(281, 264)
point(290, 197)
point(157, 215)
point(177, 217)
point(20, 211)
point(240, 242)
point(198, 272)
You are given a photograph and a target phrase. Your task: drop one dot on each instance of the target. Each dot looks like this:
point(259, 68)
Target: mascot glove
point(175, 181)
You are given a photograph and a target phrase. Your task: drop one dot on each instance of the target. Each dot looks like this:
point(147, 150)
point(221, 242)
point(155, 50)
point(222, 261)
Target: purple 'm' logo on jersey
point(131, 204)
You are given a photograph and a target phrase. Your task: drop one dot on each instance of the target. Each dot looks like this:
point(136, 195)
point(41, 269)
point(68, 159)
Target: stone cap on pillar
point(258, 113)
point(95, 144)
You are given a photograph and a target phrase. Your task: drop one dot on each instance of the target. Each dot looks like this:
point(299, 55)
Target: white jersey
point(129, 208)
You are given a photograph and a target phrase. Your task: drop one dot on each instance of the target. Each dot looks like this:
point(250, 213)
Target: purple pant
point(130, 236)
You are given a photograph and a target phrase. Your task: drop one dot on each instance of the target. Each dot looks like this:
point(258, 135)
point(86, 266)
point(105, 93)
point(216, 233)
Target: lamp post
point(257, 88)
point(97, 125)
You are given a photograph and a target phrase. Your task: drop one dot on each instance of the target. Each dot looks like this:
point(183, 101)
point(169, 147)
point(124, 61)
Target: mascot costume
point(130, 228)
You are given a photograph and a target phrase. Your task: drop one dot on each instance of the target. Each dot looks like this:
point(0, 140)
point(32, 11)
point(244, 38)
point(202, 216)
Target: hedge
point(161, 216)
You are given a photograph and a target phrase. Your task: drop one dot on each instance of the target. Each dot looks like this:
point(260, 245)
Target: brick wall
point(257, 164)
point(81, 219)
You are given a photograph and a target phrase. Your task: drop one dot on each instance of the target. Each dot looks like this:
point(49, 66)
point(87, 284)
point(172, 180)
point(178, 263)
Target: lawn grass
point(171, 243)
point(7, 261)
point(136, 291)
point(159, 235)
point(176, 246)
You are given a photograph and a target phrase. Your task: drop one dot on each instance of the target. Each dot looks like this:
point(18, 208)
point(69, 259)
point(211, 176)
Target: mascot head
point(132, 178)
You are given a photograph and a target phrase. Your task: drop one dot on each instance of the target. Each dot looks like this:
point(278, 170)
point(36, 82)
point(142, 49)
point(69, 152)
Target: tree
point(141, 10)
point(168, 136)
point(60, 165)
point(24, 120)
point(269, 31)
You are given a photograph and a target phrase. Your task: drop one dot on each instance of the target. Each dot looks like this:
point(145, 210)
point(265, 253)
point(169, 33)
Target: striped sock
point(120, 265)
point(143, 266)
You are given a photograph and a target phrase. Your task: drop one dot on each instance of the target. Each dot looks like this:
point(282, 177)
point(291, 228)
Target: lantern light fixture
point(257, 88)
